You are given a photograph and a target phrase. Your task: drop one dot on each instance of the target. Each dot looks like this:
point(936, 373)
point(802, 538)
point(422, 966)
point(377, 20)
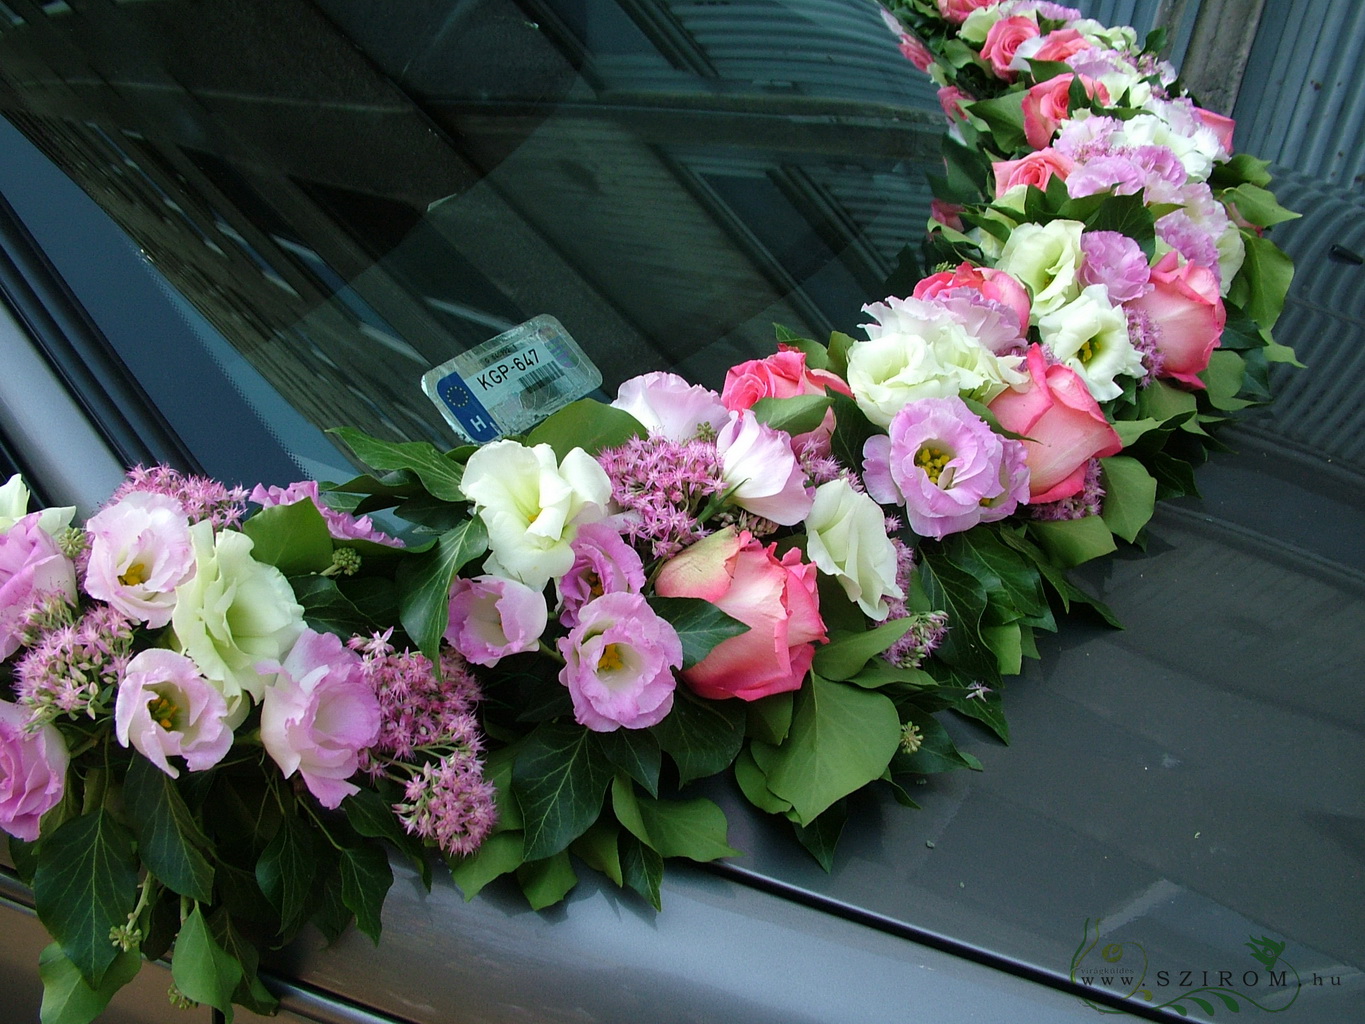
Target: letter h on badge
point(467, 409)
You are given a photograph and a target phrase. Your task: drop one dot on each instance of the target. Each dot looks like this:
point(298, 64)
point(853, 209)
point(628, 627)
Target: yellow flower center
point(594, 581)
point(163, 711)
point(134, 574)
point(611, 658)
point(933, 461)
point(1087, 351)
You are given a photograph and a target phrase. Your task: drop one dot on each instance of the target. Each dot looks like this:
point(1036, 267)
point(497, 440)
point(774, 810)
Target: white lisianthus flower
point(846, 538)
point(1045, 257)
point(979, 22)
point(919, 350)
point(533, 505)
point(1091, 337)
point(233, 613)
point(1174, 126)
point(1120, 37)
point(14, 498)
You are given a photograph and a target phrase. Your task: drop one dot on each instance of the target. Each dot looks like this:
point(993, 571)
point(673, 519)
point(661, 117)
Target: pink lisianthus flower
point(619, 662)
point(32, 772)
point(1047, 104)
point(32, 566)
point(492, 617)
point(1188, 311)
point(1003, 39)
point(1036, 169)
point(140, 551)
point(1062, 425)
point(319, 715)
point(1116, 261)
point(775, 597)
point(758, 462)
point(666, 405)
point(995, 285)
point(341, 525)
point(946, 466)
point(603, 564)
point(165, 708)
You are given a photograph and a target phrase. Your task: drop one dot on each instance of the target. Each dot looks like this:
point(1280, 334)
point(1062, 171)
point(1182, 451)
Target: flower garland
point(221, 722)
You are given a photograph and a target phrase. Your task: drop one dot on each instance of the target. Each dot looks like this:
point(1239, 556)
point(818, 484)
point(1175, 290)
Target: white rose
point(1091, 336)
point(846, 539)
point(232, 613)
point(918, 350)
point(1045, 257)
point(533, 505)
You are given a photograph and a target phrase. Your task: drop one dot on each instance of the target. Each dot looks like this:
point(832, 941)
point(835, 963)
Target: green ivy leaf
point(286, 870)
point(424, 584)
point(546, 882)
point(365, 881)
point(846, 654)
point(841, 739)
point(821, 836)
point(643, 869)
point(964, 598)
point(635, 752)
point(1129, 495)
point(702, 736)
point(86, 884)
point(1258, 205)
point(326, 609)
point(496, 856)
point(439, 473)
point(1004, 115)
point(1263, 281)
point(169, 839)
point(799, 414)
point(599, 848)
point(700, 625)
point(559, 779)
point(1012, 584)
point(1073, 541)
point(586, 424)
point(754, 784)
point(694, 829)
point(292, 538)
point(990, 711)
point(769, 719)
point(249, 991)
point(1225, 376)
point(373, 817)
point(937, 751)
point(202, 969)
point(67, 998)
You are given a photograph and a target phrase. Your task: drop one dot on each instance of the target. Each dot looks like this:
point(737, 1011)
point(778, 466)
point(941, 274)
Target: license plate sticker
point(510, 383)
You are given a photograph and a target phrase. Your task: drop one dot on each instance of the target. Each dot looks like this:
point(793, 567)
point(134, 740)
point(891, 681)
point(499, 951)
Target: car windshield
point(335, 197)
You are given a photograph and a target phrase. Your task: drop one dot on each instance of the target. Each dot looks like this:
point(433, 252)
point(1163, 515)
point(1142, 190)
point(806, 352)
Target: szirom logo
point(1123, 969)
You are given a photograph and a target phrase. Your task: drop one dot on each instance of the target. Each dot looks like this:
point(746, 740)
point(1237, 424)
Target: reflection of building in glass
point(352, 197)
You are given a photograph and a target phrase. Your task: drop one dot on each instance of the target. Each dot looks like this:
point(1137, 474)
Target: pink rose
point(1035, 169)
point(1220, 124)
point(951, 98)
point(1061, 44)
point(1185, 305)
point(956, 11)
point(32, 772)
point(777, 600)
point(618, 664)
point(1048, 104)
point(492, 617)
point(31, 566)
point(1002, 39)
point(783, 374)
point(165, 708)
point(319, 715)
point(996, 285)
point(140, 551)
point(947, 214)
point(1062, 425)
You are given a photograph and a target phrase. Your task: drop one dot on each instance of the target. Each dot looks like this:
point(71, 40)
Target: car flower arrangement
point(225, 709)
